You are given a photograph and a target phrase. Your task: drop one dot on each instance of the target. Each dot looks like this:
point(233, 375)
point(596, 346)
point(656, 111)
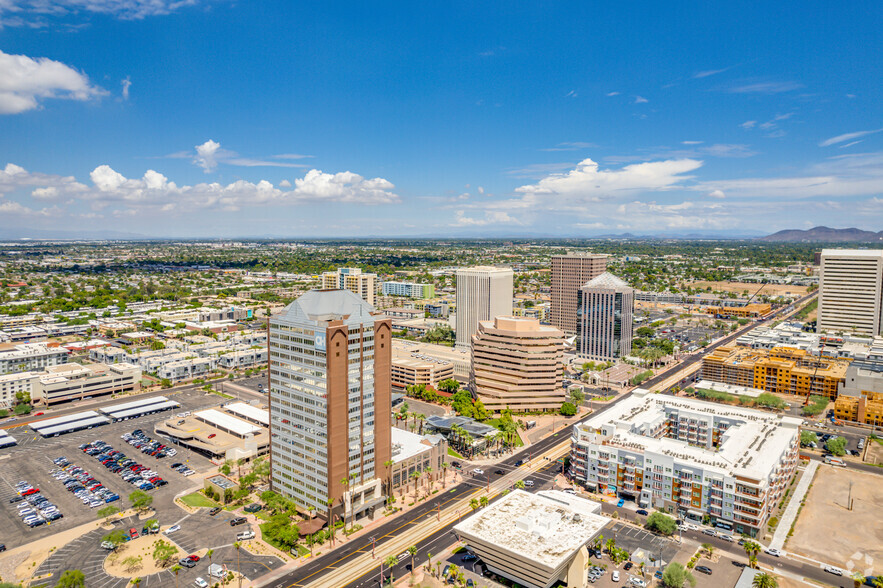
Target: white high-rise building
point(851, 291)
point(329, 398)
point(483, 293)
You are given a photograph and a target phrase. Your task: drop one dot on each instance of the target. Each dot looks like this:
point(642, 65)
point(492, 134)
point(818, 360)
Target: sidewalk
point(790, 515)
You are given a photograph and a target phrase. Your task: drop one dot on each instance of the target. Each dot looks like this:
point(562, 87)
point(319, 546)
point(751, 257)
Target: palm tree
point(390, 562)
point(413, 551)
point(176, 568)
point(238, 546)
point(388, 464)
point(420, 418)
point(445, 466)
point(858, 579)
point(752, 548)
point(519, 485)
point(474, 504)
point(429, 561)
point(611, 545)
point(346, 484)
point(483, 501)
point(209, 554)
point(878, 582)
point(428, 471)
point(415, 476)
point(330, 502)
point(764, 580)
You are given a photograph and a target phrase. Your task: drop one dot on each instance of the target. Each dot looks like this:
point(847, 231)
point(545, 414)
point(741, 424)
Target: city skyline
point(468, 121)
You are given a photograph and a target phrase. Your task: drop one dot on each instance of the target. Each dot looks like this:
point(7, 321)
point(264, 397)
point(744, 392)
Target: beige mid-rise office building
point(569, 273)
point(517, 364)
point(352, 279)
point(851, 291)
point(483, 293)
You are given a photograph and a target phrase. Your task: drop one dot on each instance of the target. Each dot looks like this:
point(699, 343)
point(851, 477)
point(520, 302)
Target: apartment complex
point(861, 394)
point(30, 357)
point(690, 458)
point(408, 289)
point(604, 318)
point(483, 293)
point(352, 279)
point(517, 364)
point(851, 291)
point(569, 273)
point(330, 355)
point(412, 368)
point(781, 370)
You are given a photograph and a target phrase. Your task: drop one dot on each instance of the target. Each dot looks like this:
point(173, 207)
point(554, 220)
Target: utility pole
point(373, 545)
point(438, 510)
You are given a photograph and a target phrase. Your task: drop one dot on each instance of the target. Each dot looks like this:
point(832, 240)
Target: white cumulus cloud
point(491, 217)
point(25, 81)
point(717, 194)
point(205, 156)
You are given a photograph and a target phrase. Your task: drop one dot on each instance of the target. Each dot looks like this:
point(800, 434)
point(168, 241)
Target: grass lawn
point(496, 424)
point(273, 542)
point(197, 500)
point(453, 453)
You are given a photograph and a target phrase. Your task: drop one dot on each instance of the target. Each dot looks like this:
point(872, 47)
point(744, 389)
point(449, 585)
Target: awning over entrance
point(695, 513)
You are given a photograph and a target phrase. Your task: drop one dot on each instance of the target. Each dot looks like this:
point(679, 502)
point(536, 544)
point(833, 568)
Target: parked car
point(238, 521)
point(643, 512)
point(172, 529)
point(620, 503)
point(245, 535)
point(833, 570)
point(773, 552)
point(615, 576)
point(214, 511)
point(703, 570)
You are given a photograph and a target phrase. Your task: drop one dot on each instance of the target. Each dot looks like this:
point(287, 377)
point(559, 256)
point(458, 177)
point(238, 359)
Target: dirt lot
point(739, 288)
point(827, 531)
point(874, 453)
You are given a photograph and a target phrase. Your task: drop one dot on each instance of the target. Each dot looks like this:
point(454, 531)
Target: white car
point(201, 583)
point(639, 582)
point(833, 570)
point(773, 552)
point(172, 529)
point(615, 576)
point(478, 471)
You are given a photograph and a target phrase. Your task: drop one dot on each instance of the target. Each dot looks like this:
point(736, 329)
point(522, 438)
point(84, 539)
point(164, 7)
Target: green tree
point(390, 562)
point(661, 523)
point(164, 553)
point(107, 512)
point(765, 580)
point(413, 551)
point(752, 548)
point(836, 445)
point(450, 385)
point(675, 575)
point(140, 500)
point(568, 409)
point(808, 437)
point(116, 537)
point(72, 579)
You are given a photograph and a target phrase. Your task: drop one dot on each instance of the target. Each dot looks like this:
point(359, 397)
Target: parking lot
point(32, 461)
point(198, 532)
point(633, 539)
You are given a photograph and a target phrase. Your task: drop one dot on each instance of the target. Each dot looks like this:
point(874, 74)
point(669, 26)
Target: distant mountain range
point(825, 235)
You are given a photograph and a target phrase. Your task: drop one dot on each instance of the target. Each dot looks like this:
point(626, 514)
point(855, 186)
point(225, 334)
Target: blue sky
point(218, 118)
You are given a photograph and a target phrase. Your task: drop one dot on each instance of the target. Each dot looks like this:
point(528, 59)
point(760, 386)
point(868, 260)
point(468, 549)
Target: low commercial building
point(780, 370)
point(72, 381)
point(461, 360)
point(753, 310)
point(217, 435)
point(860, 397)
point(690, 458)
point(187, 369)
point(535, 540)
point(517, 364)
point(412, 368)
point(31, 357)
point(415, 453)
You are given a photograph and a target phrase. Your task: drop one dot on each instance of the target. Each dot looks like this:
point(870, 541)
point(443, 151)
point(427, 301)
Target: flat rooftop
point(408, 444)
point(751, 447)
point(254, 413)
point(547, 527)
point(226, 422)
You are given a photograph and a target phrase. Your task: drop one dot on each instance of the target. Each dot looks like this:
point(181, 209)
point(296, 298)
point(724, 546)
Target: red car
point(39, 414)
point(193, 558)
point(31, 491)
point(133, 533)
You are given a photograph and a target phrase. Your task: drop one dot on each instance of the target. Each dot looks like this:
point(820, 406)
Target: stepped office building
point(569, 273)
point(483, 293)
point(851, 291)
point(690, 458)
point(517, 364)
point(329, 402)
